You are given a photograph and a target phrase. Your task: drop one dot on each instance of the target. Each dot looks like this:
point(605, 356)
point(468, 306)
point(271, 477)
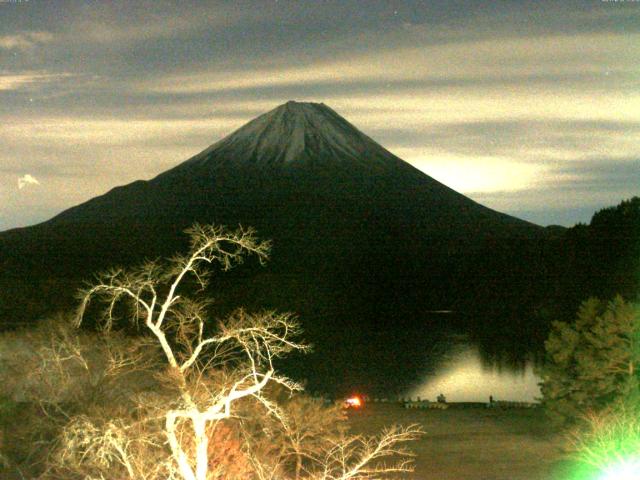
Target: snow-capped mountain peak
point(296, 133)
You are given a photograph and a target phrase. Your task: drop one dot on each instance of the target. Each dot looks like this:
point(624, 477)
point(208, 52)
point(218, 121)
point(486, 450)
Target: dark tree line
point(601, 259)
point(535, 282)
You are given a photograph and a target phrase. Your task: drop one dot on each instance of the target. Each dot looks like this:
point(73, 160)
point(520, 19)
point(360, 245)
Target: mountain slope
point(363, 242)
point(300, 146)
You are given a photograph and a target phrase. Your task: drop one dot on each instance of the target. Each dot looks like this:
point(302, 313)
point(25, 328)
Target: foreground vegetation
point(592, 363)
point(179, 398)
point(161, 391)
point(591, 387)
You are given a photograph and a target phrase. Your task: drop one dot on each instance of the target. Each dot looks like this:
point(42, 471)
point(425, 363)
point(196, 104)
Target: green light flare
point(609, 448)
point(625, 470)
point(617, 469)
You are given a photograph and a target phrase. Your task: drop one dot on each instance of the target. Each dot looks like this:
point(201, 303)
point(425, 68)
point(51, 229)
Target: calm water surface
point(462, 375)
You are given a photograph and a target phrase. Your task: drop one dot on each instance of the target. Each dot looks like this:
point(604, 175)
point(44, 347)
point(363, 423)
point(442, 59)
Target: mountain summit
point(295, 134)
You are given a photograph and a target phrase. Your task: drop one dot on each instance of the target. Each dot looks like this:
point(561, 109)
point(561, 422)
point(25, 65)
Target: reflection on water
point(463, 377)
point(423, 358)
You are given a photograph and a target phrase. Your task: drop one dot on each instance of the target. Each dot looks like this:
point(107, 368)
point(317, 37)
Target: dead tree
point(241, 351)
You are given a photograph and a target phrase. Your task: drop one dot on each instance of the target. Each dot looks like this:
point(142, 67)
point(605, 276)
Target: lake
point(437, 355)
point(462, 375)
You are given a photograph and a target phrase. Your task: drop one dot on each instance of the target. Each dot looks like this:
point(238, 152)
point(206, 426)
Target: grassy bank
point(474, 443)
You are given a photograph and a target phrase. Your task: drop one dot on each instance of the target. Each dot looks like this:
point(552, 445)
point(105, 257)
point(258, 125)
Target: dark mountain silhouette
point(364, 244)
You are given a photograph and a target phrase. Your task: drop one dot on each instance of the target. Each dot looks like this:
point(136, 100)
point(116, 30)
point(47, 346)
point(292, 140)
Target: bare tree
point(178, 324)
point(358, 457)
point(208, 375)
point(53, 374)
point(297, 448)
point(316, 445)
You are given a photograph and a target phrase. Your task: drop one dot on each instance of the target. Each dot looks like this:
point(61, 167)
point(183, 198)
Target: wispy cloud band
point(24, 40)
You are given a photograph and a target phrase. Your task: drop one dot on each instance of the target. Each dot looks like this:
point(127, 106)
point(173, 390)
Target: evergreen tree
point(592, 364)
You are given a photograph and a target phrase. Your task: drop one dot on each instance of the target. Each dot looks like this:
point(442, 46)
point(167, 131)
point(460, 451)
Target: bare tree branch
point(209, 374)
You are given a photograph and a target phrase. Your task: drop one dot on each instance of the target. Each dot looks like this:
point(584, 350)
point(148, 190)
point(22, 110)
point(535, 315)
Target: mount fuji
point(364, 243)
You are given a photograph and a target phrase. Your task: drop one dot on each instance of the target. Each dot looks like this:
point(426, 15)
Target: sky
point(530, 107)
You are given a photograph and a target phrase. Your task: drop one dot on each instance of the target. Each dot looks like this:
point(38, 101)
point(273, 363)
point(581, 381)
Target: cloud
point(26, 79)
point(74, 132)
point(476, 174)
point(24, 40)
point(531, 140)
point(597, 174)
point(571, 191)
point(470, 62)
point(27, 180)
point(230, 80)
point(116, 32)
point(103, 23)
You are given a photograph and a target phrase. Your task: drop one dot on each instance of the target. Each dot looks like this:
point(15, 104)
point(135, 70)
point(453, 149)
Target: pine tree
point(592, 364)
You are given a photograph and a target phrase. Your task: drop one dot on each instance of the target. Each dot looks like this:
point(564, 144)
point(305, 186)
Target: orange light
point(354, 402)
